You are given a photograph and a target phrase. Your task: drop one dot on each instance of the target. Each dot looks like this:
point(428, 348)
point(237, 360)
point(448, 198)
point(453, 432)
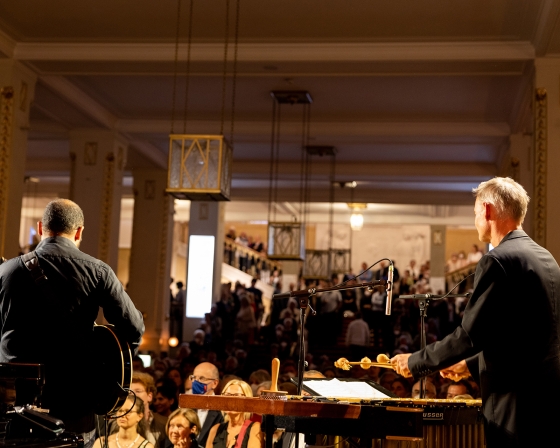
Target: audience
point(182, 429)
point(130, 424)
point(226, 434)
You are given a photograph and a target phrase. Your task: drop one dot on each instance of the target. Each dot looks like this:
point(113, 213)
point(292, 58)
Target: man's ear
point(40, 227)
point(488, 211)
point(150, 397)
point(79, 232)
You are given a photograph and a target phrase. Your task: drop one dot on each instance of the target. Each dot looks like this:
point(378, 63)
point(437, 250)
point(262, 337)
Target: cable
point(364, 271)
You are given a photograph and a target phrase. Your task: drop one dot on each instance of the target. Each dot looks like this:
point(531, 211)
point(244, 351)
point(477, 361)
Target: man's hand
point(400, 362)
point(456, 372)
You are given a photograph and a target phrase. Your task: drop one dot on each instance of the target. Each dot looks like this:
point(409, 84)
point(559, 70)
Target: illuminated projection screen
point(201, 275)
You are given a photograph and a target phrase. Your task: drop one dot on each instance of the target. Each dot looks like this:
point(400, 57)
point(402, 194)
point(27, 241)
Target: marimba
point(382, 423)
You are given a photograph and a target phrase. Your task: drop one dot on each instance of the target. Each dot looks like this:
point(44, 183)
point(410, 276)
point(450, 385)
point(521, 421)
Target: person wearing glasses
point(131, 428)
point(238, 430)
point(205, 380)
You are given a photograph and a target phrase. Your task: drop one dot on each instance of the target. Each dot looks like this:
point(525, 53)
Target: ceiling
point(419, 97)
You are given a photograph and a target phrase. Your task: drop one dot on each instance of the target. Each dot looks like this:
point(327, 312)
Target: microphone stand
point(303, 297)
point(423, 303)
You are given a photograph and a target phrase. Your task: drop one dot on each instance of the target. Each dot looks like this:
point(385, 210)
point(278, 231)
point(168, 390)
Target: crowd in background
point(240, 338)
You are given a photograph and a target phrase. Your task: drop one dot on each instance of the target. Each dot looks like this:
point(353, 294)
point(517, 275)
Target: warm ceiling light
point(173, 341)
point(357, 221)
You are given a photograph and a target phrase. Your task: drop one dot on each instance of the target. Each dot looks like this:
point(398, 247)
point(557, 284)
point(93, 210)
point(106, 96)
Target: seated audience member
point(226, 434)
point(143, 386)
point(258, 377)
point(205, 381)
point(130, 428)
point(431, 391)
point(401, 387)
point(462, 387)
point(182, 429)
point(174, 374)
point(166, 399)
point(387, 378)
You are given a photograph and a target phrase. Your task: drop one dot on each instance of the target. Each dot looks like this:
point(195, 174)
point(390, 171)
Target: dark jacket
point(511, 324)
point(213, 418)
point(56, 329)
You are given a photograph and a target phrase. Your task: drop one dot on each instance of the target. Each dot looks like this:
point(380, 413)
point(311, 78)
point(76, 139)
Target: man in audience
point(205, 380)
point(357, 337)
point(462, 387)
point(511, 315)
point(431, 391)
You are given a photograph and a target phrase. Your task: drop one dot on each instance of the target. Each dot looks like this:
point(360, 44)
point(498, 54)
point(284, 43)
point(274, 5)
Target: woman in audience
point(166, 399)
point(182, 428)
point(131, 428)
point(237, 431)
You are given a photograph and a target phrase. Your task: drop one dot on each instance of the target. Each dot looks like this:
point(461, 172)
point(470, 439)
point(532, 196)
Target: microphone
point(389, 290)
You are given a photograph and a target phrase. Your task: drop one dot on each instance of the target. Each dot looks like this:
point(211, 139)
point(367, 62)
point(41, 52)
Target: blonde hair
point(507, 196)
point(189, 414)
point(247, 391)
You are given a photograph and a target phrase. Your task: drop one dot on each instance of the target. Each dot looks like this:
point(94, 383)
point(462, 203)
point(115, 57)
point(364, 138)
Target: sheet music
point(347, 389)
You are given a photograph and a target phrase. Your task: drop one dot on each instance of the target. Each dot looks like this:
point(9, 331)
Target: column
point(521, 170)
point(437, 259)
point(546, 213)
point(97, 159)
point(206, 219)
point(150, 255)
point(17, 87)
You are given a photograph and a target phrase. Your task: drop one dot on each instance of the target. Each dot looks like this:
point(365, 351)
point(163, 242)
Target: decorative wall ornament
point(90, 153)
point(106, 207)
point(150, 189)
point(6, 125)
point(540, 174)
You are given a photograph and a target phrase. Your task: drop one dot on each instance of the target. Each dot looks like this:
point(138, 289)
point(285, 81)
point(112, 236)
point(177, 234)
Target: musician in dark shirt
point(53, 325)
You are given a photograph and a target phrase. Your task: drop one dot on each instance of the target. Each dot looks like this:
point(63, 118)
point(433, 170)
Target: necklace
point(127, 446)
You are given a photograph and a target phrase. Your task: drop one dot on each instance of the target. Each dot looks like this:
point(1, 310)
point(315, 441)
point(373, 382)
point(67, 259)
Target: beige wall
point(461, 239)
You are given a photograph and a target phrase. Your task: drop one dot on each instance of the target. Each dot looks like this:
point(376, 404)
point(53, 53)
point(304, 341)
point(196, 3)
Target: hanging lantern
point(316, 265)
point(340, 261)
point(286, 241)
point(199, 167)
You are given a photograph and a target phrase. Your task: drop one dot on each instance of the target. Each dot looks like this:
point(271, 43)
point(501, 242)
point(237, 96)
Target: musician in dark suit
point(511, 320)
point(52, 323)
point(205, 380)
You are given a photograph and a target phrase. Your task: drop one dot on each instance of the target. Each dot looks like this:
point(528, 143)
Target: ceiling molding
point(150, 151)
point(399, 171)
point(367, 128)
point(279, 52)
point(78, 98)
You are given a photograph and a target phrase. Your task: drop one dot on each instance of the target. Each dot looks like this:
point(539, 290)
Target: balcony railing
point(248, 260)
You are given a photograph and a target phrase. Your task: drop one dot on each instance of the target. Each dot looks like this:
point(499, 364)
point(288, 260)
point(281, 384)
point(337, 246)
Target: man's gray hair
point(62, 216)
point(508, 197)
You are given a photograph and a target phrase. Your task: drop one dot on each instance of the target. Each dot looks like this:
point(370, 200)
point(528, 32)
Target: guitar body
point(113, 369)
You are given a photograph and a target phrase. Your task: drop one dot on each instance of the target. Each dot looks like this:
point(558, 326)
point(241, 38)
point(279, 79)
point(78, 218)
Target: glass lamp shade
point(340, 261)
point(357, 221)
point(286, 241)
point(199, 167)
